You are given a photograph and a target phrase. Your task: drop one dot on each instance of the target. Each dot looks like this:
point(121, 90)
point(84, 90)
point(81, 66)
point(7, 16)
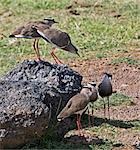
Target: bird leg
point(54, 58)
point(37, 48)
point(57, 60)
point(92, 117)
point(35, 45)
point(89, 121)
point(80, 125)
point(108, 107)
point(77, 122)
point(104, 110)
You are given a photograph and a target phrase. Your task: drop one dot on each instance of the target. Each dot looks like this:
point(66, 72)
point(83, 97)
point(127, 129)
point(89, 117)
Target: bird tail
point(19, 36)
point(11, 36)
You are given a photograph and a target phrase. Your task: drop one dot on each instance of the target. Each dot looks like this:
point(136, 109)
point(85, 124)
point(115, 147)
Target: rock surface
point(31, 95)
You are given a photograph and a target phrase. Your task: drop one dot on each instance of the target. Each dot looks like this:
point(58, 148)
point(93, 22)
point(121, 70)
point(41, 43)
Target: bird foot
point(39, 59)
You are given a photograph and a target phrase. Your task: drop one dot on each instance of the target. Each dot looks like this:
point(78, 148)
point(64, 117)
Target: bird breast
point(74, 106)
point(94, 96)
point(105, 88)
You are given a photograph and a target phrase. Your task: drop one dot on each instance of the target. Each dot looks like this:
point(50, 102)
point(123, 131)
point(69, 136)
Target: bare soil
point(126, 80)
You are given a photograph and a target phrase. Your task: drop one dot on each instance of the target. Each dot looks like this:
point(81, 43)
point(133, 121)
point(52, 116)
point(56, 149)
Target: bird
point(27, 32)
point(58, 39)
point(78, 104)
point(105, 89)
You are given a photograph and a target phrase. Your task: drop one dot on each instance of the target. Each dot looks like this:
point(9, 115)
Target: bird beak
point(11, 36)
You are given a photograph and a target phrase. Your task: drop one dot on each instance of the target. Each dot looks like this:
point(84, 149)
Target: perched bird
point(78, 104)
point(58, 39)
point(105, 89)
point(27, 32)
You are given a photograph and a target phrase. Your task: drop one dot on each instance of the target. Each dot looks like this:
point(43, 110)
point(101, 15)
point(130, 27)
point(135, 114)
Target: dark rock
point(30, 95)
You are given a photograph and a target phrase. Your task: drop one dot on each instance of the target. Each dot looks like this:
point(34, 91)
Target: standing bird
point(105, 89)
point(78, 104)
point(27, 32)
point(58, 39)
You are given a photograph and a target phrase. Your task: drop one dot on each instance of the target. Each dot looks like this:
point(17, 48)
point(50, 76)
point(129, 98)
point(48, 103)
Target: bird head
point(88, 88)
point(34, 27)
point(50, 21)
point(108, 75)
point(92, 83)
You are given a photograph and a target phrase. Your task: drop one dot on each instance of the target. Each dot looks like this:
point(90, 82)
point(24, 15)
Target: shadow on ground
point(99, 121)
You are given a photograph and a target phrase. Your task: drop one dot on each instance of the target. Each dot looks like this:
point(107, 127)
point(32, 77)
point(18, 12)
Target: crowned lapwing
point(27, 32)
point(78, 104)
point(105, 89)
point(58, 39)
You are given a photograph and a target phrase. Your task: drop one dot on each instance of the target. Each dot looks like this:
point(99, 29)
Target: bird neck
point(87, 92)
point(49, 23)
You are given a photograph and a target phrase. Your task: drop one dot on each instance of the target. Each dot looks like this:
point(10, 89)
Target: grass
point(126, 60)
point(96, 32)
point(115, 100)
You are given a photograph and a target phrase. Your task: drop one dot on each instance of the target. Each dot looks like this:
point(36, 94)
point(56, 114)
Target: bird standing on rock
point(27, 32)
point(105, 89)
point(58, 39)
point(78, 104)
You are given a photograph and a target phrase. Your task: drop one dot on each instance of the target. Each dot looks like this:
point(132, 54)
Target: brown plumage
point(28, 32)
point(78, 104)
point(58, 39)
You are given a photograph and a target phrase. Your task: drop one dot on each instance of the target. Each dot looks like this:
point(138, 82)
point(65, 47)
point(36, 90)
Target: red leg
point(77, 122)
point(56, 58)
point(36, 50)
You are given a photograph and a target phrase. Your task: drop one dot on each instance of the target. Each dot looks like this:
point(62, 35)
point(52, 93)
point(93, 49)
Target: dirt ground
point(126, 80)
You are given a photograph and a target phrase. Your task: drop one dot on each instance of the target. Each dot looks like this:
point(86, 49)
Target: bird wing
point(94, 95)
point(43, 35)
point(56, 37)
point(75, 104)
point(61, 39)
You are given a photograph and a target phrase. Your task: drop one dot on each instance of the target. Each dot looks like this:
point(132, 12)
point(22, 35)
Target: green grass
point(96, 32)
point(127, 60)
point(115, 100)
